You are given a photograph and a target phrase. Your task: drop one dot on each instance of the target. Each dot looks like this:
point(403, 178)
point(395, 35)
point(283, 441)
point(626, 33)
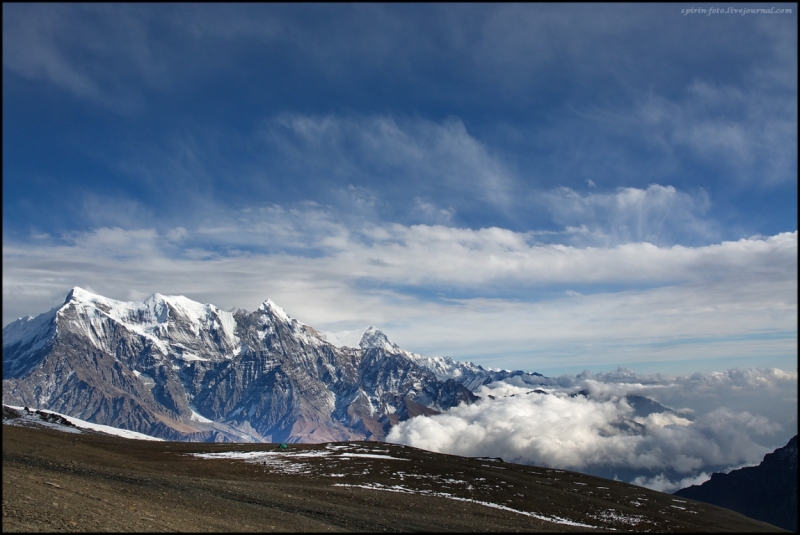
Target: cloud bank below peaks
point(593, 423)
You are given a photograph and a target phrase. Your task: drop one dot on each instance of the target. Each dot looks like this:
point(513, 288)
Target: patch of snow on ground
point(406, 490)
point(197, 417)
point(285, 456)
point(269, 458)
point(370, 456)
point(291, 462)
point(34, 419)
point(82, 424)
point(613, 516)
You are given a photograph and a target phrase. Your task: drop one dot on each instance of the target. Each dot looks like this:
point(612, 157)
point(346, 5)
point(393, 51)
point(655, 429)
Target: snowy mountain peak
point(29, 329)
point(270, 306)
point(191, 309)
point(374, 338)
point(176, 359)
point(79, 294)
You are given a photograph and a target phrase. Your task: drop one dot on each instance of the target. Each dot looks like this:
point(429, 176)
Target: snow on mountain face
point(28, 328)
point(178, 369)
point(24, 339)
point(444, 368)
point(373, 338)
point(270, 306)
point(65, 423)
point(272, 313)
point(176, 325)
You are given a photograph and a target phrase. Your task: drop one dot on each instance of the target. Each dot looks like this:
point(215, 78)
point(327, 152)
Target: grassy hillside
point(59, 481)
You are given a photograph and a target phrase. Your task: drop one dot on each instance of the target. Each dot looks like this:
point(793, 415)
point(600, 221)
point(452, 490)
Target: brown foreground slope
point(57, 481)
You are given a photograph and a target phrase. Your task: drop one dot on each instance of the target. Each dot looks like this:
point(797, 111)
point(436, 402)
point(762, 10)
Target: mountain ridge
point(171, 367)
point(177, 369)
point(766, 492)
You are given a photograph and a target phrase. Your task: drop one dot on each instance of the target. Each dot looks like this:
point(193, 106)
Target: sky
point(552, 188)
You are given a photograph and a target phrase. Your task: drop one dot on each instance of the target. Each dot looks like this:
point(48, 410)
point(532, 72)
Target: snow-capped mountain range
point(177, 369)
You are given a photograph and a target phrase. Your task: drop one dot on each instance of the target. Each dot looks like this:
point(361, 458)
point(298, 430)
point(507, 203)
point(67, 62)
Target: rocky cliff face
point(181, 370)
point(766, 492)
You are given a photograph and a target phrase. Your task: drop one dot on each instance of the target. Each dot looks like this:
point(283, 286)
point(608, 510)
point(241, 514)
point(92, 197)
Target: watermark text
point(736, 11)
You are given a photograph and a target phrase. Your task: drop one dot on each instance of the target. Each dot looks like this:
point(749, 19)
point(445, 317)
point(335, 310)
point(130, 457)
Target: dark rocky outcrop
point(766, 492)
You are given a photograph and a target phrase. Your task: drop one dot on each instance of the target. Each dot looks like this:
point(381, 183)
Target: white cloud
point(751, 134)
point(732, 137)
point(428, 212)
point(763, 391)
point(602, 434)
point(663, 484)
point(400, 154)
point(490, 295)
point(658, 214)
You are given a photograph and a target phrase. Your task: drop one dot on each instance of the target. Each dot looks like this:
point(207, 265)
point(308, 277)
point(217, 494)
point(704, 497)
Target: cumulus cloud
point(762, 391)
point(547, 423)
point(662, 484)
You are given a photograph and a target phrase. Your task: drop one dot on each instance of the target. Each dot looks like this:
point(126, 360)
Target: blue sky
point(540, 187)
